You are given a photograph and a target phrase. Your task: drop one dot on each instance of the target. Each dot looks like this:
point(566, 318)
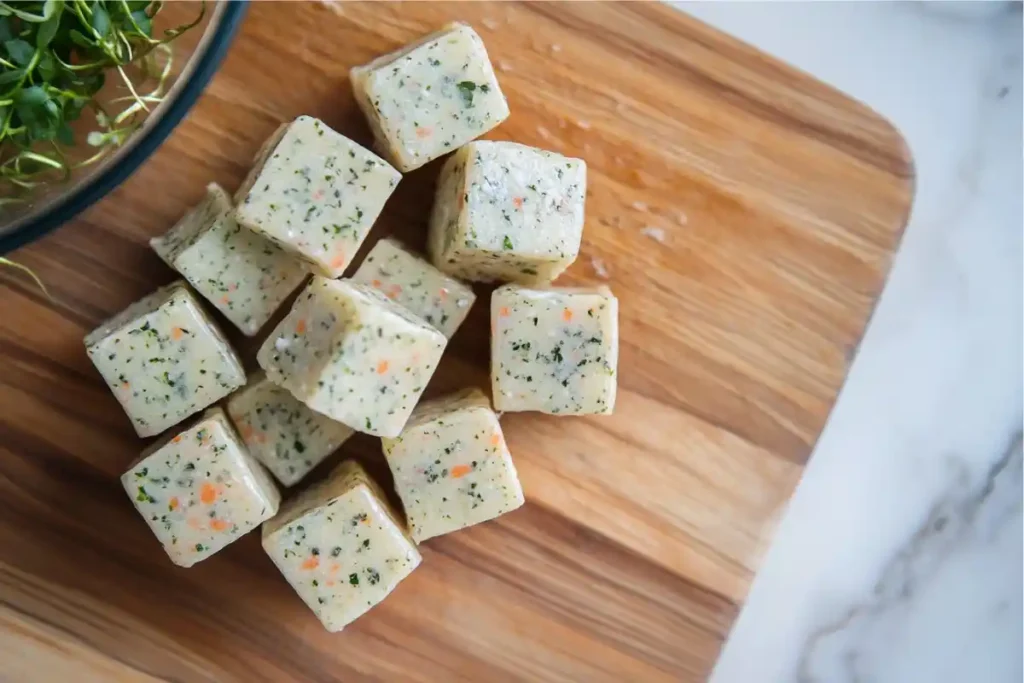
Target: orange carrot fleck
point(194, 523)
point(173, 503)
point(207, 493)
point(394, 291)
point(219, 525)
point(300, 326)
point(518, 202)
point(334, 568)
point(225, 300)
point(338, 261)
point(176, 439)
point(423, 132)
point(125, 385)
point(444, 293)
point(377, 283)
point(382, 367)
point(495, 439)
point(311, 562)
point(566, 315)
point(460, 471)
point(177, 333)
point(329, 582)
point(504, 312)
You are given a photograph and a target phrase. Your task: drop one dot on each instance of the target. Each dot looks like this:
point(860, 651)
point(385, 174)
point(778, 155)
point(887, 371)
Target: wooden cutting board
point(745, 215)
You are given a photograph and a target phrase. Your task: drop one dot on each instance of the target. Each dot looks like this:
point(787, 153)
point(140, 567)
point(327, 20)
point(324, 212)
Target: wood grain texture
point(781, 202)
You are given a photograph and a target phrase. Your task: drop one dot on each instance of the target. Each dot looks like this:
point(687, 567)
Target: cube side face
point(410, 281)
point(199, 491)
point(343, 556)
point(245, 276)
point(523, 214)
point(317, 195)
point(430, 100)
point(454, 470)
point(297, 350)
point(192, 225)
point(379, 368)
point(447, 216)
point(281, 432)
point(554, 351)
point(166, 363)
point(259, 161)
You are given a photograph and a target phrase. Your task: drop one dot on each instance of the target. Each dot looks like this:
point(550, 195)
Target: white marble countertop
point(900, 557)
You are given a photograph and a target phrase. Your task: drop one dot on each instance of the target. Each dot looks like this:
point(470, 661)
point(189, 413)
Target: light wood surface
point(780, 203)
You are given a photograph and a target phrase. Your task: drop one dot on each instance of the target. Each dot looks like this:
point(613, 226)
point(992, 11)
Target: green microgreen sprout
point(55, 57)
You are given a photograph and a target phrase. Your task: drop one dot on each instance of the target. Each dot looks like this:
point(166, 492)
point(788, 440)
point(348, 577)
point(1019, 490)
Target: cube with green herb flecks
point(315, 193)
point(411, 281)
point(505, 211)
point(281, 432)
point(200, 490)
point(451, 466)
point(244, 275)
point(164, 359)
point(431, 97)
point(349, 352)
point(554, 350)
point(340, 546)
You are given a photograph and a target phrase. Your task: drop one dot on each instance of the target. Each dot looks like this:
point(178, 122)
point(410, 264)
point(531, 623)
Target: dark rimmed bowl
point(199, 53)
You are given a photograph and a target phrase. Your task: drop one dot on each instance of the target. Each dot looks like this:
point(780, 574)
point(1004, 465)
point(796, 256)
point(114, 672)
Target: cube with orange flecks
point(199, 490)
point(340, 546)
point(451, 465)
point(554, 349)
point(281, 432)
point(349, 352)
point(315, 193)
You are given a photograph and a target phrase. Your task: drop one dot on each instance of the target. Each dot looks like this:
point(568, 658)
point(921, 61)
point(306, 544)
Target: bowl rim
point(148, 140)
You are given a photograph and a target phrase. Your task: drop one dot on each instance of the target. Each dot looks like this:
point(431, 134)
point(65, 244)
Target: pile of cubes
point(355, 354)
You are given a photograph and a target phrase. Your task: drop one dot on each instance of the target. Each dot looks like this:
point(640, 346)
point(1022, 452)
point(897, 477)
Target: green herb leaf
point(78, 38)
point(49, 6)
point(507, 243)
point(48, 29)
point(467, 88)
point(11, 76)
point(19, 51)
point(140, 22)
point(100, 20)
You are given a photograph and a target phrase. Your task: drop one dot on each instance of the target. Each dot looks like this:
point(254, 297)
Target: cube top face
point(415, 284)
point(316, 194)
point(554, 350)
point(164, 359)
point(348, 352)
point(288, 438)
point(245, 276)
point(506, 211)
point(451, 466)
point(200, 490)
point(432, 97)
point(340, 547)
